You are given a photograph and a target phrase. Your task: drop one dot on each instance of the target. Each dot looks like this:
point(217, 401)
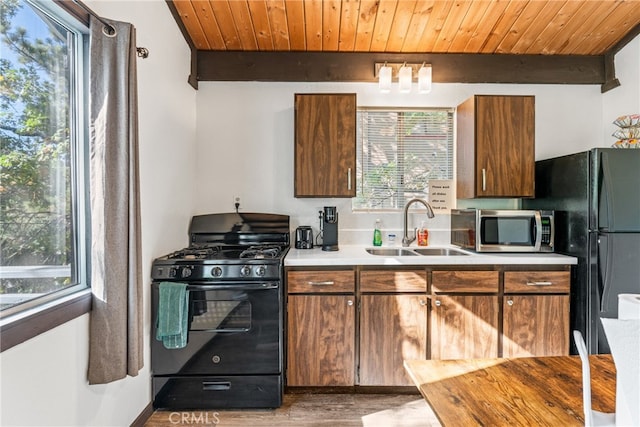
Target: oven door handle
point(238, 286)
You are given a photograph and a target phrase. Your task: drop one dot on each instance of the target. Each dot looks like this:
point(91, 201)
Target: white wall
point(44, 379)
point(625, 99)
point(245, 143)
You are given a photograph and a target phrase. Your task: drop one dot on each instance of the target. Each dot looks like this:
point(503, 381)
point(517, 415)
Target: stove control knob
point(261, 270)
point(173, 271)
point(216, 271)
point(186, 272)
point(245, 271)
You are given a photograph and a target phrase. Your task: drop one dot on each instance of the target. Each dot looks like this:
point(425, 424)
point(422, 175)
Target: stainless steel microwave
point(484, 230)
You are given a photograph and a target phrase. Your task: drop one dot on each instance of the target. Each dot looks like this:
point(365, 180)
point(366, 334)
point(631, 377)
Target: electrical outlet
point(236, 202)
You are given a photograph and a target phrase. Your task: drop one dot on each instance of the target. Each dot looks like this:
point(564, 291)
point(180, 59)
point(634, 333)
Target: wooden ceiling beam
point(359, 67)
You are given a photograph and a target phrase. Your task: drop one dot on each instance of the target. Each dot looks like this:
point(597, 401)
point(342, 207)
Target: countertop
point(357, 255)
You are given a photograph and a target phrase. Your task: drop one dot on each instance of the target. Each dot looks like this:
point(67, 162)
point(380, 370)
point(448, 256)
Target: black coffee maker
point(329, 229)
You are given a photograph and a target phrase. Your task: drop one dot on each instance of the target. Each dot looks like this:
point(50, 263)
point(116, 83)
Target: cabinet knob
point(423, 302)
point(438, 303)
point(349, 302)
point(509, 302)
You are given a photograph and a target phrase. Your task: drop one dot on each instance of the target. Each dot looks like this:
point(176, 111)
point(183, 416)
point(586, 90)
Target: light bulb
point(404, 79)
point(384, 79)
point(424, 79)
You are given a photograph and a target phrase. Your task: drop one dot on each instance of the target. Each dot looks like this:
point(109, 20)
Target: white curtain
point(115, 344)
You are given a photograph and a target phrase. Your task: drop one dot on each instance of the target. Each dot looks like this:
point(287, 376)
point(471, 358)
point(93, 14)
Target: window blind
point(399, 151)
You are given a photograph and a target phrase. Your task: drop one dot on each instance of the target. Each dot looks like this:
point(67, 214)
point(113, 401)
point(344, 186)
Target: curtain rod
point(143, 52)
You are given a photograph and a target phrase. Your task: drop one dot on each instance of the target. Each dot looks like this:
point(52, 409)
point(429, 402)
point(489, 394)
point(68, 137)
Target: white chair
point(591, 418)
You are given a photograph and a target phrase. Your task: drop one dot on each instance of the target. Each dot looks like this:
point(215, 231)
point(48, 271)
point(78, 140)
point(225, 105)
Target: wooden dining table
point(531, 391)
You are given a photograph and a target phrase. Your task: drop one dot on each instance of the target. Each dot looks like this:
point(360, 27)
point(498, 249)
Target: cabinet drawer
point(538, 282)
point(319, 281)
point(465, 281)
point(393, 281)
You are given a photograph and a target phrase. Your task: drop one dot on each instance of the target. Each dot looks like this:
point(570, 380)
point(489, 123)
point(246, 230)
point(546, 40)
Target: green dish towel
point(173, 315)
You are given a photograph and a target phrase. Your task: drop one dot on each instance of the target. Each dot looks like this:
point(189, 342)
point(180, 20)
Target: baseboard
point(353, 390)
point(144, 416)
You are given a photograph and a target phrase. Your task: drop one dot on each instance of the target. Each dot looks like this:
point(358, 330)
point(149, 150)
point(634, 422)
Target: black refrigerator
point(596, 198)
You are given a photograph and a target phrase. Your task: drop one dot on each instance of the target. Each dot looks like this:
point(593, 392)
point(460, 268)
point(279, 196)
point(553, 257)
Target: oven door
point(235, 328)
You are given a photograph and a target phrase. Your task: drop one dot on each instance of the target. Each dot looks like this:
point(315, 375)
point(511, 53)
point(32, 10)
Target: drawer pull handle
point(438, 303)
point(349, 303)
point(216, 385)
point(510, 302)
point(327, 283)
point(539, 283)
point(349, 179)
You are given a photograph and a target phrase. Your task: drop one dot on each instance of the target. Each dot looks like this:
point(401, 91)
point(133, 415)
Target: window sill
point(20, 328)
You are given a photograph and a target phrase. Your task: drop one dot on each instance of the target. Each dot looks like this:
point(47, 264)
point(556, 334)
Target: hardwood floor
point(311, 410)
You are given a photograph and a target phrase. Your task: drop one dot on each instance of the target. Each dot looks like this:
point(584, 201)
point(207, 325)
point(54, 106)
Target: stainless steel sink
point(391, 252)
point(439, 251)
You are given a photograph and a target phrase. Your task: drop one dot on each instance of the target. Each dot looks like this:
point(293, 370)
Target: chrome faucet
point(406, 240)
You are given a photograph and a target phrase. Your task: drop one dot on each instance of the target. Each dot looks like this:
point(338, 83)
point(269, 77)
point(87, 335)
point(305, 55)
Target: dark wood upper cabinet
point(496, 147)
point(325, 145)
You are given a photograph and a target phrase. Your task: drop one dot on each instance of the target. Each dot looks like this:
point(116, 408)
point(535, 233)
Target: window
point(42, 155)
point(399, 151)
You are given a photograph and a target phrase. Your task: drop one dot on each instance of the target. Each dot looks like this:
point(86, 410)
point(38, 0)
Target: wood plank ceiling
point(410, 27)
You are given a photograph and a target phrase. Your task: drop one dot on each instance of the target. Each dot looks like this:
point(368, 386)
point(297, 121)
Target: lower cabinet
point(464, 326)
point(321, 338)
point(393, 324)
point(343, 332)
point(321, 328)
point(536, 313)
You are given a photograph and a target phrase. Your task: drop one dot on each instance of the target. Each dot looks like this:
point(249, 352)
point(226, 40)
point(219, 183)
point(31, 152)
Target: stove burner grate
point(260, 252)
point(204, 252)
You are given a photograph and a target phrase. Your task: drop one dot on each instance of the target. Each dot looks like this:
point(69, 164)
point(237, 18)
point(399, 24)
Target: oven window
point(507, 231)
point(220, 315)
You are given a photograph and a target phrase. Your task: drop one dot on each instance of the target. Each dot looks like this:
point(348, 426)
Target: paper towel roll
point(629, 306)
point(623, 336)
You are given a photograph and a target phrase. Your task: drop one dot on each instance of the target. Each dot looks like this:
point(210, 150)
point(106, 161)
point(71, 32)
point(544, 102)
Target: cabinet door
point(535, 325)
point(464, 327)
point(321, 340)
point(505, 146)
point(393, 328)
point(496, 146)
point(325, 145)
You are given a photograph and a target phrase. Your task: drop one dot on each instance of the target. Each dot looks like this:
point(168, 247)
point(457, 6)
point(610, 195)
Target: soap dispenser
point(423, 235)
point(377, 234)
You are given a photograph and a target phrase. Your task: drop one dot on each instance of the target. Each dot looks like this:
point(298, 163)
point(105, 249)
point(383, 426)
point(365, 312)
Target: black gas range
point(233, 270)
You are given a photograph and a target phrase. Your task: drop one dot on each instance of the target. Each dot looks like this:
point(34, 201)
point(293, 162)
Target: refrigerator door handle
point(605, 201)
point(604, 253)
